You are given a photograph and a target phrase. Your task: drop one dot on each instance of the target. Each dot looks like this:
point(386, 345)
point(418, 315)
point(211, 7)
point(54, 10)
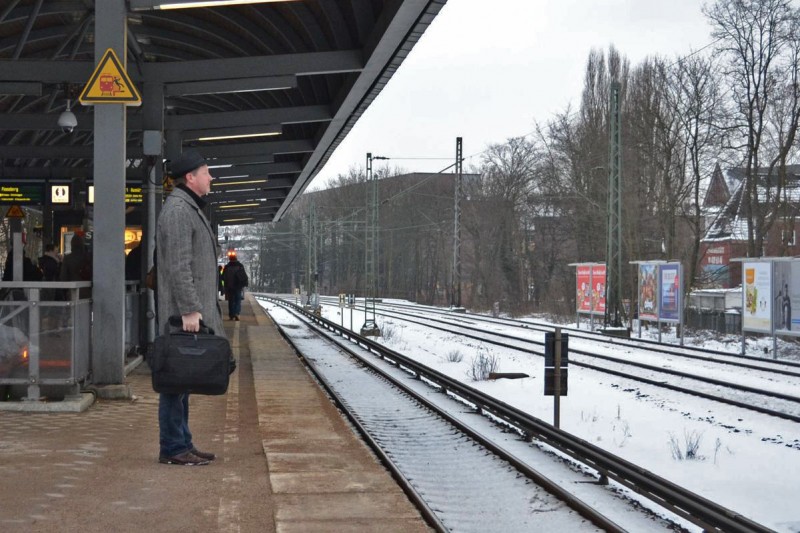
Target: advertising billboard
point(786, 297)
point(670, 293)
point(599, 289)
point(757, 296)
point(583, 296)
point(648, 292)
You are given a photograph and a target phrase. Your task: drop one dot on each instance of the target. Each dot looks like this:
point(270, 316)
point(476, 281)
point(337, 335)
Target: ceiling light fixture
point(233, 206)
point(226, 183)
point(240, 136)
point(238, 219)
point(215, 3)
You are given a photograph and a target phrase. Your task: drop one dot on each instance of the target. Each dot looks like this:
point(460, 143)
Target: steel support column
point(153, 121)
point(456, 290)
point(370, 327)
point(108, 243)
point(614, 311)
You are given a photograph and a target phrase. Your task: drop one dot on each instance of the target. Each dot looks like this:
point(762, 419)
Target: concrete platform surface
point(287, 461)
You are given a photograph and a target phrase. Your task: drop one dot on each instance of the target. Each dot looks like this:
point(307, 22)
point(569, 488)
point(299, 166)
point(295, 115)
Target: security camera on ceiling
point(67, 120)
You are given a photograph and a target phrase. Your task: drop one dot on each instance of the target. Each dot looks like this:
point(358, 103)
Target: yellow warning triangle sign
point(15, 211)
point(110, 84)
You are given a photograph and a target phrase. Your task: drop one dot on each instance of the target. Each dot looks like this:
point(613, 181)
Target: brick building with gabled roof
point(726, 225)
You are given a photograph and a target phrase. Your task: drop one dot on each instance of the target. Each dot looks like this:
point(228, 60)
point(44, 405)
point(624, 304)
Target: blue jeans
point(234, 303)
point(173, 424)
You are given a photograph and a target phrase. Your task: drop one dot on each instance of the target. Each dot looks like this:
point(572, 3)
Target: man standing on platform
point(234, 279)
point(186, 247)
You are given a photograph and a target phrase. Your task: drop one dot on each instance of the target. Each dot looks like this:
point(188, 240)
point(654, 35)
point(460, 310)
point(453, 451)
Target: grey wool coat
point(186, 262)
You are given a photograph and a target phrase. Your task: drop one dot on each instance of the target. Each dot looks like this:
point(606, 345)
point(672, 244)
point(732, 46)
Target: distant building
point(727, 228)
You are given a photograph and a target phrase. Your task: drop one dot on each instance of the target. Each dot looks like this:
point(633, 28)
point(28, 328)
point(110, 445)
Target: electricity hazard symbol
point(110, 84)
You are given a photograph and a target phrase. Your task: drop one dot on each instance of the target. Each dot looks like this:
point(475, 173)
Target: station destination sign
point(19, 194)
point(134, 195)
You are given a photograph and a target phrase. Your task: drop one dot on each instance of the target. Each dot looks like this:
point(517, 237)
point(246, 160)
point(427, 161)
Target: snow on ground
point(746, 461)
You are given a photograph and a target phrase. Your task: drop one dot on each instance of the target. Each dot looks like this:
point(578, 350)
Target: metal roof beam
point(46, 71)
point(49, 152)
point(264, 182)
point(261, 83)
point(252, 194)
point(21, 87)
point(59, 172)
point(241, 160)
point(49, 121)
point(254, 149)
point(247, 67)
point(252, 117)
point(256, 171)
point(184, 71)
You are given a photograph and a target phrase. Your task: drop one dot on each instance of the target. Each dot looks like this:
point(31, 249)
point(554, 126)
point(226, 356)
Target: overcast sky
point(486, 71)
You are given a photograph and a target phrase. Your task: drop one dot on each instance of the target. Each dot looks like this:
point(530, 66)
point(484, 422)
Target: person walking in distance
point(186, 247)
point(234, 279)
point(50, 263)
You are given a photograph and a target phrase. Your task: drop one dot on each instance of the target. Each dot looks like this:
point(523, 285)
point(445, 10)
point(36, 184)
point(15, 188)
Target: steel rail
point(416, 498)
point(546, 483)
point(711, 381)
point(659, 347)
point(682, 502)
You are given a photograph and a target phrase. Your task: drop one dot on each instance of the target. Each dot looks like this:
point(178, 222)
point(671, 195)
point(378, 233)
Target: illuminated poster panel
point(757, 297)
point(648, 292)
point(786, 297)
point(670, 293)
point(583, 281)
point(599, 289)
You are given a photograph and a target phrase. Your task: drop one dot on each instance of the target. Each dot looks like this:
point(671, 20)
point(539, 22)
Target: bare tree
point(759, 41)
point(695, 95)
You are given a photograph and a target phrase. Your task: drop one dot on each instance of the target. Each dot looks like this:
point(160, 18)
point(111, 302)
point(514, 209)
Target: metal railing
point(45, 337)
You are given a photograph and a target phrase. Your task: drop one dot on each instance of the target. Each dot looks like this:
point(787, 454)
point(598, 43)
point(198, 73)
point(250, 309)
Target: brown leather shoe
point(203, 455)
point(184, 459)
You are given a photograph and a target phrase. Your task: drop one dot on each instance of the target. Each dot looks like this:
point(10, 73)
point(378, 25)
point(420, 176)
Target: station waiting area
point(286, 459)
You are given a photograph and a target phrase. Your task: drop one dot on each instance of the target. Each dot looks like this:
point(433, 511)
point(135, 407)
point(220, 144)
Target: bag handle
point(176, 322)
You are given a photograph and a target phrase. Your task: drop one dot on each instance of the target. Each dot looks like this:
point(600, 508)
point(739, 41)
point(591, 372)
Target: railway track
point(755, 398)
point(675, 499)
point(791, 368)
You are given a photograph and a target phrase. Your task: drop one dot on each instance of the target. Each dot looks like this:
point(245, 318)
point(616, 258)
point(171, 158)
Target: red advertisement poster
point(583, 296)
point(599, 289)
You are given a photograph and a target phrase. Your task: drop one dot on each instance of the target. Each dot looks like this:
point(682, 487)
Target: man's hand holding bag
point(196, 363)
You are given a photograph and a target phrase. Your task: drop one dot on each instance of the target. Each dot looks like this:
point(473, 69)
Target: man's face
point(199, 181)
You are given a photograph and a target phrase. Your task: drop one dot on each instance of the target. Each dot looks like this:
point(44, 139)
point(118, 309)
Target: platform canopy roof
point(302, 71)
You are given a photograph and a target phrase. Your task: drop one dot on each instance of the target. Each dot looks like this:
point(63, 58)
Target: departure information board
point(21, 194)
point(133, 195)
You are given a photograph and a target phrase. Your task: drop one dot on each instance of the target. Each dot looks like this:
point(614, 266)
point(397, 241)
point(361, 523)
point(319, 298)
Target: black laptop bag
point(197, 363)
